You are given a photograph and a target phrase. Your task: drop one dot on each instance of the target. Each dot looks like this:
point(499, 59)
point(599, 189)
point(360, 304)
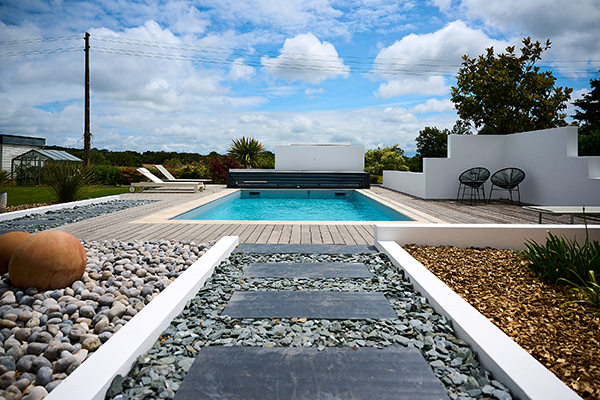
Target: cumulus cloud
point(433, 85)
point(433, 105)
point(240, 72)
point(427, 58)
point(305, 58)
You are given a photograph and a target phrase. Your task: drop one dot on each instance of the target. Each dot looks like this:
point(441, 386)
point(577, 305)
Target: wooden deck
point(125, 225)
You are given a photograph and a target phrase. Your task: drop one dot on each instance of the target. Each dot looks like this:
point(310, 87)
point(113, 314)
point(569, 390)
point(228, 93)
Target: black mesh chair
point(508, 179)
point(473, 179)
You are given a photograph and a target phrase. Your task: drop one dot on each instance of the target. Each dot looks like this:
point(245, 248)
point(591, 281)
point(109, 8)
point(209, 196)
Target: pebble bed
point(158, 373)
point(44, 336)
point(33, 223)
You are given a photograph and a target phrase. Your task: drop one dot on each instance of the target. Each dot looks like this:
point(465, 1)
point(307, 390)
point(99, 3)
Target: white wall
point(314, 157)
point(554, 173)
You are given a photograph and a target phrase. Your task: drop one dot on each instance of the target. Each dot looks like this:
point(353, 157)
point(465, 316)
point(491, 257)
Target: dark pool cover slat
point(307, 270)
point(298, 304)
point(304, 248)
point(291, 373)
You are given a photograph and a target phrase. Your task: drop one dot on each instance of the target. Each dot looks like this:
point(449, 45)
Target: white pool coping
point(505, 359)
point(91, 380)
point(43, 209)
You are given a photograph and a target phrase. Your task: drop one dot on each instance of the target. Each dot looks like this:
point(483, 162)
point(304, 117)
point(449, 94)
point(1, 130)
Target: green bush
point(106, 175)
point(67, 181)
point(197, 171)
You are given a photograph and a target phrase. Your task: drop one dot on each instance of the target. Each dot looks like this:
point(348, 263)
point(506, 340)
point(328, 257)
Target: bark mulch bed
point(499, 285)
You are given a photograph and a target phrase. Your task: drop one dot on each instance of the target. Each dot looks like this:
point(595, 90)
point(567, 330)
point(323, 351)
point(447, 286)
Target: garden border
point(43, 209)
point(510, 363)
point(92, 378)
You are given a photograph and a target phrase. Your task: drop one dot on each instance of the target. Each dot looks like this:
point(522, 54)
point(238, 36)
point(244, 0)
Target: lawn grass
point(18, 195)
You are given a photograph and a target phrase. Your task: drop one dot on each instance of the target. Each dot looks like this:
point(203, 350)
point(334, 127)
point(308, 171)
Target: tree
point(388, 158)
point(589, 118)
point(432, 143)
point(247, 151)
point(506, 94)
point(461, 127)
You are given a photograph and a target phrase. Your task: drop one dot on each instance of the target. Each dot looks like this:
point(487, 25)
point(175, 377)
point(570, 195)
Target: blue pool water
point(294, 205)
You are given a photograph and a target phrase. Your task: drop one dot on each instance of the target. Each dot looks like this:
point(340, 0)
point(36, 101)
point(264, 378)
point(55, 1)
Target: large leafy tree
point(432, 142)
point(588, 116)
point(247, 151)
point(506, 93)
point(389, 158)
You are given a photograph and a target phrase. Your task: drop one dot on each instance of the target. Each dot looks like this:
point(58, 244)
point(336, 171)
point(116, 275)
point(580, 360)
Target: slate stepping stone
point(304, 248)
point(307, 270)
point(299, 304)
point(290, 373)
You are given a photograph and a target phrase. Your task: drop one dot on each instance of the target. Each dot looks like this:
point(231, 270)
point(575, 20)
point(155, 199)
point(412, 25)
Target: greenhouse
point(27, 168)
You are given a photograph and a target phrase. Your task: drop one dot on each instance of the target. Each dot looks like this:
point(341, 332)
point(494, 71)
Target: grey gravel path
point(160, 372)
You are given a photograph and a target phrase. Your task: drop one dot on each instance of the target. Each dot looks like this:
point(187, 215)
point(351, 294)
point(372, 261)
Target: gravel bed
point(36, 222)
point(44, 336)
point(158, 373)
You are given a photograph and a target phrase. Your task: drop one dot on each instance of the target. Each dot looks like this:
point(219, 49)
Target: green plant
point(5, 178)
point(246, 150)
point(587, 293)
point(106, 175)
point(66, 181)
point(130, 174)
point(563, 259)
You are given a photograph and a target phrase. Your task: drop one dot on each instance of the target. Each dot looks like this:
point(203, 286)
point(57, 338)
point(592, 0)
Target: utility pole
point(86, 127)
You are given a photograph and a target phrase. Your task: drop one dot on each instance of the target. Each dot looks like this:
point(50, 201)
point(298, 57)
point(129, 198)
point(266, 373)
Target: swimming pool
point(294, 205)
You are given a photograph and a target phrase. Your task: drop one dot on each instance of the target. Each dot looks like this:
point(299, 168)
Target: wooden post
point(86, 128)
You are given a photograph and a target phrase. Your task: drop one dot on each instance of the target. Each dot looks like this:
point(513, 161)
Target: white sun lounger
point(560, 210)
point(171, 178)
point(157, 182)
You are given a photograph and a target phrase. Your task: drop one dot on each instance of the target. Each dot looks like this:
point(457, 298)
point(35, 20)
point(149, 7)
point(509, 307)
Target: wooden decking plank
point(346, 235)
point(211, 233)
point(255, 234)
point(325, 234)
point(295, 235)
point(367, 232)
point(275, 234)
point(286, 233)
point(356, 234)
point(315, 235)
point(246, 233)
point(336, 236)
point(305, 234)
point(266, 233)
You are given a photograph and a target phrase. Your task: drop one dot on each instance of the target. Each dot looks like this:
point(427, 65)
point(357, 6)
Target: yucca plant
point(246, 151)
point(5, 177)
point(67, 181)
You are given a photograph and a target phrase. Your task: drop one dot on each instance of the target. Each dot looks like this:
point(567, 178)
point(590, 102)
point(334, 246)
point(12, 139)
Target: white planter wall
point(554, 173)
point(319, 158)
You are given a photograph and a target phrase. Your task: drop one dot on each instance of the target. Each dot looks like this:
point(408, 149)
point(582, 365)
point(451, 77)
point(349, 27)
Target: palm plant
point(67, 181)
point(246, 150)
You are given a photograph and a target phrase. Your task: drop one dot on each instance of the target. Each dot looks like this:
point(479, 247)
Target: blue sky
point(193, 75)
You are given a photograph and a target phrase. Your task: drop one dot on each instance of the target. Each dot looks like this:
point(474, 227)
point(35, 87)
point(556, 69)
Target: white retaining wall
point(555, 175)
point(319, 157)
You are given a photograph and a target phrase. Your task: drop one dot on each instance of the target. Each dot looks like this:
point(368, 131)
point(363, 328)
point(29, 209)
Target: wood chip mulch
point(499, 285)
point(23, 207)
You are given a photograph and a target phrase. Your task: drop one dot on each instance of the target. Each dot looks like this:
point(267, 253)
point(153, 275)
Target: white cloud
point(311, 93)
point(306, 58)
point(240, 72)
point(433, 105)
point(433, 85)
point(418, 63)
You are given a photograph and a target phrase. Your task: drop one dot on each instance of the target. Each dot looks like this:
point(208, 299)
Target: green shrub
point(587, 293)
point(106, 175)
point(67, 181)
point(130, 174)
point(197, 171)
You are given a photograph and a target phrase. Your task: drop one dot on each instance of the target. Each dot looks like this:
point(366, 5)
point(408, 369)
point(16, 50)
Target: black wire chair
point(508, 179)
point(473, 179)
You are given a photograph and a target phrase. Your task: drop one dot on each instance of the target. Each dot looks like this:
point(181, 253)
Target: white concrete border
point(500, 236)
point(91, 380)
point(41, 210)
point(508, 362)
